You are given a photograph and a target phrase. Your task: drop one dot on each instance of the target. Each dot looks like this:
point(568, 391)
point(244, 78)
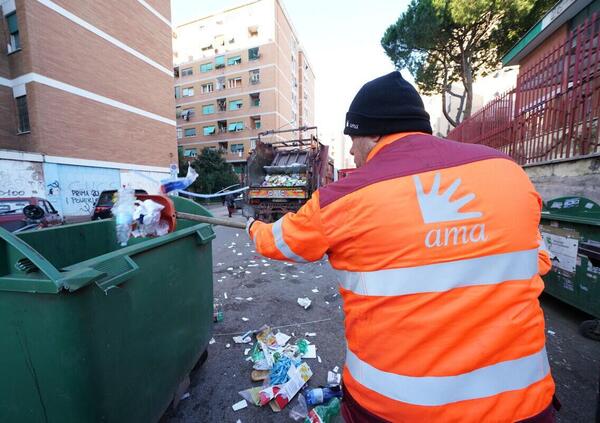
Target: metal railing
point(552, 113)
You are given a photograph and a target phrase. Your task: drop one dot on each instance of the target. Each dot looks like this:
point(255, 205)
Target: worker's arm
point(297, 237)
point(544, 261)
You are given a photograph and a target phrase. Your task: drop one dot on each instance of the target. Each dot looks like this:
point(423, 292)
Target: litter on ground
point(239, 405)
point(304, 302)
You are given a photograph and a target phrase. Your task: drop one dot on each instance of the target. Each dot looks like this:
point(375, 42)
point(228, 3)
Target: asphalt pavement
point(265, 291)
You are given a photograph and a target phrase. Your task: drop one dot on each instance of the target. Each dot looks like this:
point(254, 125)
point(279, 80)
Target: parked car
point(239, 201)
point(30, 212)
point(105, 202)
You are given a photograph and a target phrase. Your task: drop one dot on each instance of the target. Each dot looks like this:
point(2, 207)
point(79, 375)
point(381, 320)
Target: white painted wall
point(149, 181)
point(21, 179)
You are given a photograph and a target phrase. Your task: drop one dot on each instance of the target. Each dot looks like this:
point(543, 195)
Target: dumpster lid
point(572, 209)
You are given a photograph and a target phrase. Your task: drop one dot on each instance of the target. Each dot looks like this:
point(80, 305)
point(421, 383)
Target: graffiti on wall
point(21, 179)
point(81, 190)
point(74, 189)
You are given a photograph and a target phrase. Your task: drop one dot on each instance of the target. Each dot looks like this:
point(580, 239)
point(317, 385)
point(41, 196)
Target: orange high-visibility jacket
point(438, 254)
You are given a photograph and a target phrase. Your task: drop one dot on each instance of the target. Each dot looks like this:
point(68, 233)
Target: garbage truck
point(282, 173)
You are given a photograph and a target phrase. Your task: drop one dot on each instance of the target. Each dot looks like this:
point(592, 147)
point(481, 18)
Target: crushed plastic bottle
point(318, 396)
point(324, 413)
point(123, 212)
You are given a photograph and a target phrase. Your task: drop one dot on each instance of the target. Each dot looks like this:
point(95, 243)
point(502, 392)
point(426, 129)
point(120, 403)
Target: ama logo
point(436, 207)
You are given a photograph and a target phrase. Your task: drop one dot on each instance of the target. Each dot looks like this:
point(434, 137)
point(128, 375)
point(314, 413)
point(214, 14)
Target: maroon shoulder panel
point(409, 156)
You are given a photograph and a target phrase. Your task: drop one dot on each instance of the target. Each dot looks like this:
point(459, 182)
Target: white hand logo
point(437, 207)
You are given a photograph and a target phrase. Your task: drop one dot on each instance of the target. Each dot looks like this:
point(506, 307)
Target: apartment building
point(86, 98)
point(237, 73)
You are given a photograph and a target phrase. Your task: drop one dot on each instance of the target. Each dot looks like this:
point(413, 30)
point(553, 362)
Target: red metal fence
point(553, 111)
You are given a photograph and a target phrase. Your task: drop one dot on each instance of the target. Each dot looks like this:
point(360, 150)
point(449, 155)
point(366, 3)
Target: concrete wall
point(577, 178)
point(72, 189)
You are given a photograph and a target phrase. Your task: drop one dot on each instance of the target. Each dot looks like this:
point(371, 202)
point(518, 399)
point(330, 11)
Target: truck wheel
point(590, 329)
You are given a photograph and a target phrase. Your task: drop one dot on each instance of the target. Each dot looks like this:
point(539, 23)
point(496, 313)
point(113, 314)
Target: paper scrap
point(310, 334)
point(242, 340)
point(225, 295)
point(239, 254)
point(319, 359)
point(185, 396)
point(551, 332)
point(230, 268)
point(304, 302)
point(245, 319)
point(227, 345)
point(318, 276)
point(311, 352)
point(336, 369)
point(315, 290)
point(247, 350)
point(249, 299)
point(282, 338)
point(334, 378)
point(212, 341)
point(248, 272)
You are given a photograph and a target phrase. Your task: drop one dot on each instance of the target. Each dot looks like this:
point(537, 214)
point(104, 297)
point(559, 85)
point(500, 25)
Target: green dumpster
point(570, 227)
point(92, 332)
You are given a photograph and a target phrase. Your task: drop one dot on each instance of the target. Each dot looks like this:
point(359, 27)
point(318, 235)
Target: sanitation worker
point(438, 256)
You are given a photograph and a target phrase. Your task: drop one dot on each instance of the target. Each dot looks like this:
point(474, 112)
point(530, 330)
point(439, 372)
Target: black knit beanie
point(387, 105)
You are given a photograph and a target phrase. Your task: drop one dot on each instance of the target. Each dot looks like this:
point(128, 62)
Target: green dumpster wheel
point(590, 329)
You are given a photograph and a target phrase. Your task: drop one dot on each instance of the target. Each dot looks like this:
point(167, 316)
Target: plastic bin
point(570, 227)
point(92, 332)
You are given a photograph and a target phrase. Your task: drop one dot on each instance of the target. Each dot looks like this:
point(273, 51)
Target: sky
point(342, 41)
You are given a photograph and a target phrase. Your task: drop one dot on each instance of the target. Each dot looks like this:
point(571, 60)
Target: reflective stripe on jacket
point(439, 258)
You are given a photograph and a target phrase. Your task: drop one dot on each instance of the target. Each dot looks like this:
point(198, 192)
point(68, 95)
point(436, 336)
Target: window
point(176, 72)
point(209, 130)
point(235, 60)
point(254, 76)
point(222, 126)
point(187, 92)
point(219, 62)
point(219, 40)
point(178, 112)
point(223, 146)
point(206, 67)
point(14, 41)
point(190, 132)
point(236, 126)
point(211, 148)
point(207, 88)
point(221, 104)
point(187, 72)
point(179, 133)
point(186, 114)
point(255, 122)
point(23, 114)
point(253, 143)
point(234, 82)
point(235, 105)
point(255, 99)
point(253, 53)
point(208, 109)
point(220, 83)
point(190, 152)
point(252, 31)
point(177, 92)
point(237, 148)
